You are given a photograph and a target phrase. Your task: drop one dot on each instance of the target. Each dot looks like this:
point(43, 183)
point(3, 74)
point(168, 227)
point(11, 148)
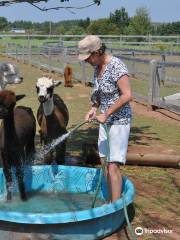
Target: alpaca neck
point(9, 127)
point(48, 107)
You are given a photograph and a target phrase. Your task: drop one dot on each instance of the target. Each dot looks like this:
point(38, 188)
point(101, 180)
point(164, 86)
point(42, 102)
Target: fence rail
point(152, 80)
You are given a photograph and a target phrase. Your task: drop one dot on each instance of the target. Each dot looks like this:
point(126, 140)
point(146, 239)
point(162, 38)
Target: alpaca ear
point(57, 83)
point(19, 97)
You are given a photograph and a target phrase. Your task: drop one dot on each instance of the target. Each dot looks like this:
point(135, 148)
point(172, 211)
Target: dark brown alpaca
point(90, 153)
point(68, 76)
point(17, 134)
point(52, 116)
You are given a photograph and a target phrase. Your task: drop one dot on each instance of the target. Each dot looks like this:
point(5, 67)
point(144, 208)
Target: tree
point(84, 23)
point(120, 18)
point(102, 26)
point(22, 24)
point(76, 30)
point(3, 23)
point(140, 24)
point(59, 30)
point(168, 28)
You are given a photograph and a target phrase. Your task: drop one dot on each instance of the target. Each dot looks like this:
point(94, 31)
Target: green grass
point(28, 40)
point(154, 132)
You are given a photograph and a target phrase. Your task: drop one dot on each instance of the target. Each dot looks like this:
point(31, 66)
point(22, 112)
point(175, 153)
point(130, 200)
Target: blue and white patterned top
point(106, 91)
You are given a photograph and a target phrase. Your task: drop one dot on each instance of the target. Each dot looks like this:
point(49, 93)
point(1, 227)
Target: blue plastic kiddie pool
point(74, 221)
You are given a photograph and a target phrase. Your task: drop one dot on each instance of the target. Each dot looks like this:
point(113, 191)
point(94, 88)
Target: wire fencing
point(155, 75)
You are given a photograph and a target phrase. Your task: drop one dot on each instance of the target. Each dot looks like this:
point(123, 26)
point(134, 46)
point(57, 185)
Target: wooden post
point(84, 78)
point(120, 41)
point(30, 54)
point(133, 65)
point(154, 85)
point(65, 56)
point(163, 69)
point(7, 49)
point(39, 58)
point(49, 59)
point(23, 52)
point(16, 52)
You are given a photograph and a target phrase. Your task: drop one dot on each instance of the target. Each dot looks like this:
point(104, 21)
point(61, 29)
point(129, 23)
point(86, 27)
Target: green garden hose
point(127, 219)
point(100, 181)
point(102, 171)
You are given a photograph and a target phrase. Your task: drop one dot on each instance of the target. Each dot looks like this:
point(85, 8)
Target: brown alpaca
point(68, 76)
point(17, 134)
point(90, 153)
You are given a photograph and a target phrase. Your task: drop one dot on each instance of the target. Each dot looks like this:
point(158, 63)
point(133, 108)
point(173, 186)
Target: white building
point(18, 30)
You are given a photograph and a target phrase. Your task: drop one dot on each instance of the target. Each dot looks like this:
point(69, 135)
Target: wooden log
point(150, 159)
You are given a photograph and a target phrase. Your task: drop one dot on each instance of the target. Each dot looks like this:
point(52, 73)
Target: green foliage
point(121, 19)
point(22, 24)
point(84, 23)
point(168, 28)
point(75, 31)
point(3, 23)
point(59, 30)
point(161, 46)
point(140, 24)
point(102, 26)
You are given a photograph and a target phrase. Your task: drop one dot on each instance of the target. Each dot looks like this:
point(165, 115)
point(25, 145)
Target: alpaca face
point(7, 102)
point(9, 74)
point(45, 87)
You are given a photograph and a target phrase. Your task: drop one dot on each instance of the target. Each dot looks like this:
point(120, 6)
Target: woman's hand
point(102, 117)
point(91, 114)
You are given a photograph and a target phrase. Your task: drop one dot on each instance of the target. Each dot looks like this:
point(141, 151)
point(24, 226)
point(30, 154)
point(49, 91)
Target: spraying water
point(47, 148)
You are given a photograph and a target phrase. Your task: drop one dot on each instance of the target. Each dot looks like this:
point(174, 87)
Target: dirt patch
point(160, 114)
point(83, 95)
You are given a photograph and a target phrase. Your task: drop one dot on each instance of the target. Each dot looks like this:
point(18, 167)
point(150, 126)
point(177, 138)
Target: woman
point(112, 93)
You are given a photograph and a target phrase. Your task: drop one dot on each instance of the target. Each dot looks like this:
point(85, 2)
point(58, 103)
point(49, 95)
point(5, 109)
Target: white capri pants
point(116, 149)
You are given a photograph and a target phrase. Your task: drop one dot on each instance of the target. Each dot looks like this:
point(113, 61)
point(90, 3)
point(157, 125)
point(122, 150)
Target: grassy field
point(157, 189)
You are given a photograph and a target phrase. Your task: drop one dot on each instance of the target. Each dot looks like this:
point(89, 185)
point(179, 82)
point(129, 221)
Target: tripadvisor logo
point(139, 231)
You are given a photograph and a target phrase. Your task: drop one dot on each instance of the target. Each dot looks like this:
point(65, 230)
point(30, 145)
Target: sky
point(159, 10)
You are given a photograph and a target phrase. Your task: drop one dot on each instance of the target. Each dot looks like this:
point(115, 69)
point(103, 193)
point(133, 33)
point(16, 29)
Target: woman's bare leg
point(114, 180)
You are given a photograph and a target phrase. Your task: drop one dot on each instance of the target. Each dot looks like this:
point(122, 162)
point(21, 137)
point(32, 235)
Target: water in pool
point(50, 203)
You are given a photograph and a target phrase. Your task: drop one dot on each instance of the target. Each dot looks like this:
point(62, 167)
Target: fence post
point(133, 65)
point(39, 57)
point(30, 54)
point(7, 49)
point(64, 57)
point(154, 85)
point(163, 69)
point(16, 52)
point(23, 53)
point(49, 59)
point(84, 78)
point(120, 41)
